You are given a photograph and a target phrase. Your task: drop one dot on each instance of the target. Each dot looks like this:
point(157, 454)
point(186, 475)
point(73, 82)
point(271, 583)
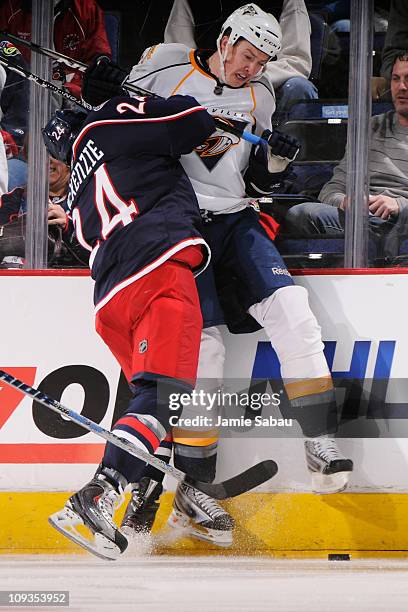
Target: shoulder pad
point(266, 82)
point(165, 54)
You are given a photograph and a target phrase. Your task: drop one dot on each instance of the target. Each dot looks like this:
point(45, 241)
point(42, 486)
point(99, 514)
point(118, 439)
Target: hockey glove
point(102, 81)
point(269, 164)
point(282, 150)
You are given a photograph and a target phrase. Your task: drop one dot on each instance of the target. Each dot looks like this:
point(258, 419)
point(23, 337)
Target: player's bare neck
point(213, 63)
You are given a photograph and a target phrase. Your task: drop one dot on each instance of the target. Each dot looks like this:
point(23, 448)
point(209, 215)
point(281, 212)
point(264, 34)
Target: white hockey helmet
point(257, 27)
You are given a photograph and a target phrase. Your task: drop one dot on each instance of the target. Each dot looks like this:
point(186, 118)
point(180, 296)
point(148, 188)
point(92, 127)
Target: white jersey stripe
point(152, 266)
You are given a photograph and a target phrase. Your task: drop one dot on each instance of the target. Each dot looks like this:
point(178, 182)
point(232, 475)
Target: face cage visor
point(59, 135)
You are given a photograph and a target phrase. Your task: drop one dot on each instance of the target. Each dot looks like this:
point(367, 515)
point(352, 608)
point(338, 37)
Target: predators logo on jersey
point(216, 145)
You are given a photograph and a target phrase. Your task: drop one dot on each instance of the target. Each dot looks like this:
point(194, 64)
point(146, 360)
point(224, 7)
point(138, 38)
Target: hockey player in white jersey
point(227, 174)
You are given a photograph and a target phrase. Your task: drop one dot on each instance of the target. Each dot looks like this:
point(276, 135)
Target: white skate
point(93, 508)
point(330, 470)
point(200, 516)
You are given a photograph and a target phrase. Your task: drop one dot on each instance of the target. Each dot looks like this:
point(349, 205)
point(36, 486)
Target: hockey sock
point(163, 452)
point(195, 456)
point(196, 452)
point(296, 337)
point(316, 413)
point(144, 423)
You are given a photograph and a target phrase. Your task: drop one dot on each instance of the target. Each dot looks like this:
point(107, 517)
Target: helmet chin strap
point(222, 58)
point(259, 73)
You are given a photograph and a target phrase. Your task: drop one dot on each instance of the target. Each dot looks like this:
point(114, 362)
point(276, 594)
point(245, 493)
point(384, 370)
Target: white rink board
point(48, 325)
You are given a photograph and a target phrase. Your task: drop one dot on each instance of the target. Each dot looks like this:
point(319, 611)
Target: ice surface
point(212, 584)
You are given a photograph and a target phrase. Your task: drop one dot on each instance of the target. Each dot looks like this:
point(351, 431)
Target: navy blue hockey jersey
point(132, 204)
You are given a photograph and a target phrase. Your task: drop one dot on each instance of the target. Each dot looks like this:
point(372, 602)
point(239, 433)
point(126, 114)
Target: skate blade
point(66, 522)
point(324, 484)
point(187, 528)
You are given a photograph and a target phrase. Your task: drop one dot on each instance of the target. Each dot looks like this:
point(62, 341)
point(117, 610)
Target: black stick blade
point(241, 483)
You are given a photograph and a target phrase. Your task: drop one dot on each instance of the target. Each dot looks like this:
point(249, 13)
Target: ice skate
point(87, 519)
point(329, 469)
point(200, 516)
point(142, 508)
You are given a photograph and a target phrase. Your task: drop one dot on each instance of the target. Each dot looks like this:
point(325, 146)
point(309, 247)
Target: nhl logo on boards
point(143, 346)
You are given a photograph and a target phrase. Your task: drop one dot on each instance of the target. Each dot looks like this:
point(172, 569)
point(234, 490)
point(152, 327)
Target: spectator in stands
point(14, 106)
point(14, 98)
point(388, 171)
point(396, 41)
point(289, 73)
point(338, 15)
point(3, 167)
point(58, 190)
point(59, 175)
point(79, 32)
point(62, 247)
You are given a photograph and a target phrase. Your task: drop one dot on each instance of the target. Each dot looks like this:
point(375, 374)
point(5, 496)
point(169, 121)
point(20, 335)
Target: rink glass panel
point(322, 127)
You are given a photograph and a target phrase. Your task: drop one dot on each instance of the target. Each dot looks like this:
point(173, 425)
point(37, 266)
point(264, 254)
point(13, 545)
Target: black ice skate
point(93, 507)
point(200, 516)
point(329, 469)
point(142, 508)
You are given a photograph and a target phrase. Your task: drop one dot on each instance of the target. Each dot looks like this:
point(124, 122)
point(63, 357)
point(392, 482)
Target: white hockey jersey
point(216, 168)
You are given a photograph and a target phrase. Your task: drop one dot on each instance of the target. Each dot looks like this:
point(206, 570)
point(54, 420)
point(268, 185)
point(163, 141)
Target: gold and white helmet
point(257, 27)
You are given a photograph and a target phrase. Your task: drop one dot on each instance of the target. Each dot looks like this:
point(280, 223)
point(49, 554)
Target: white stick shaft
point(125, 445)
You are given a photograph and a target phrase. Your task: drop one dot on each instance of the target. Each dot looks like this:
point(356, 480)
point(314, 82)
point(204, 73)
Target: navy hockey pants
point(240, 247)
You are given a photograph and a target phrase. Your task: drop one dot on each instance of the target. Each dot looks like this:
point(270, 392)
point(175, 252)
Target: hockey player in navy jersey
point(227, 173)
point(134, 209)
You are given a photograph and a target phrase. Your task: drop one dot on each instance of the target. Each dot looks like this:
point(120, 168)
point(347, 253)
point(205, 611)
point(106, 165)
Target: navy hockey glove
point(282, 150)
point(269, 164)
point(102, 81)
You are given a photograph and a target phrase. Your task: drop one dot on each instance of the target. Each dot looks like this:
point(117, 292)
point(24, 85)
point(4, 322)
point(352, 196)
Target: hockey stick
point(81, 67)
point(43, 83)
point(68, 61)
point(51, 53)
point(241, 483)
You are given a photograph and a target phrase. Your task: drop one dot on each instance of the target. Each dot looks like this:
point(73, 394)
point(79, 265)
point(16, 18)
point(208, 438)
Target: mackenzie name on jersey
point(131, 202)
point(83, 167)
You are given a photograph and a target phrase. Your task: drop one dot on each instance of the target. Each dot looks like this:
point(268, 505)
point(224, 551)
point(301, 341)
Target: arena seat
point(323, 140)
point(112, 26)
point(328, 109)
point(323, 145)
